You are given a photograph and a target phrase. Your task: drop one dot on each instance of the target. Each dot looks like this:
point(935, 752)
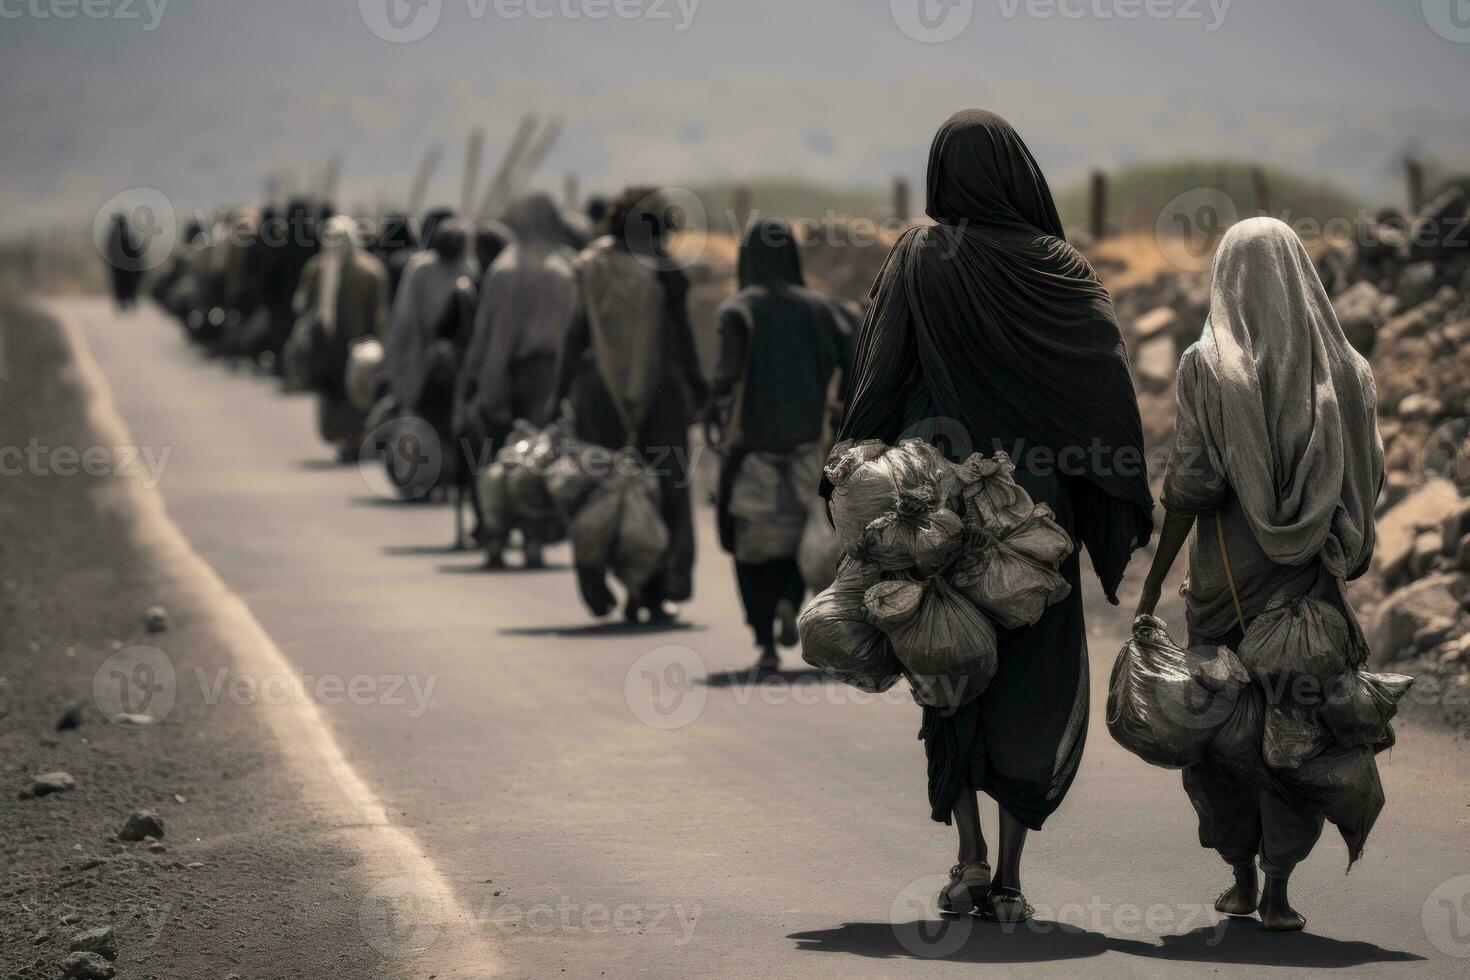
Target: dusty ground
point(251, 884)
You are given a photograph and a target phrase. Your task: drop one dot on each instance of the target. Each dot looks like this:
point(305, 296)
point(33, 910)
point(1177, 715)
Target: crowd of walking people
point(528, 343)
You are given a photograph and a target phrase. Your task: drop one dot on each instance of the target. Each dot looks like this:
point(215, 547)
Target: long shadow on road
point(1235, 943)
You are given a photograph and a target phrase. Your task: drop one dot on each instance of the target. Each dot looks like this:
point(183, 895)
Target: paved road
point(603, 816)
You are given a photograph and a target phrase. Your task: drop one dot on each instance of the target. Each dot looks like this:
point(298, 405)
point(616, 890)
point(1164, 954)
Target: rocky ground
point(140, 838)
point(1401, 288)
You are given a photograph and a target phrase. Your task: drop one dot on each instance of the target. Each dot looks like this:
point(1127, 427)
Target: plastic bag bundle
point(952, 689)
point(1293, 736)
point(569, 481)
point(1357, 706)
point(837, 638)
point(527, 458)
point(934, 629)
point(1345, 785)
point(993, 499)
point(867, 487)
point(620, 527)
point(364, 362)
point(924, 540)
point(1236, 746)
point(1013, 575)
point(820, 550)
point(1302, 638)
point(1158, 708)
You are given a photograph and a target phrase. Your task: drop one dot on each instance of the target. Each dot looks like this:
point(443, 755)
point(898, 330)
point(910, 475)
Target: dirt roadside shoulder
point(258, 874)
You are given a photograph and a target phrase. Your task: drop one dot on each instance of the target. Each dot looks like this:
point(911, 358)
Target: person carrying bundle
point(1278, 458)
point(428, 332)
point(528, 297)
point(780, 349)
point(630, 375)
point(343, 298)
point(987, 328)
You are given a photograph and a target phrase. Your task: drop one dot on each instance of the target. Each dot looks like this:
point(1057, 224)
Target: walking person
point(989, 332)
point(1277, 456)
point(528, 298)
point(631, 379)
point(780, 350)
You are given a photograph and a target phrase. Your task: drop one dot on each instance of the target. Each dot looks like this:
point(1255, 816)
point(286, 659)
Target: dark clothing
point(1011, 331)
point(662, 436)
point(989, 332)
point(125, 258)
point(762, 587)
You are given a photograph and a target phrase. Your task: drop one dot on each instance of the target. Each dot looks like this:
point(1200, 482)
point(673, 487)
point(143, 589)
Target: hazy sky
point(221, 92)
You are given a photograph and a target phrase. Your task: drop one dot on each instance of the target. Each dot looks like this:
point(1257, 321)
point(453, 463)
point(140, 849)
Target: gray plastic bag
point(497, 512)
point(1357, 706)
point(1293, 736)
point(934, 629)
point(1158, 707)
point(1345, 785)
point(620, 527)
point(922, 542)
point(1013, 574)
point(837, 638)
point(865, 489)
point(993, 499)
point(1302, 639)
point(820, 550)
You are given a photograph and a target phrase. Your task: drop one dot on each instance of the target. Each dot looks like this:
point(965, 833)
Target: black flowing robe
point(989, 332)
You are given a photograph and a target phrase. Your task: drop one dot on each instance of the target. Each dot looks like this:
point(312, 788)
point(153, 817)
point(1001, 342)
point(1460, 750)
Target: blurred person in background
point(394, 244)
point(343, 297)
point(124, 256)
point(633, 299)
point(1277, 450)
point(990, 322)
point(528, 297)
point(428, 332)
point(780, 350)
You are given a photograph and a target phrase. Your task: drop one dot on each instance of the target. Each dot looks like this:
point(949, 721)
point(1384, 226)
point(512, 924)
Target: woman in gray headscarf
point(1277, 440)
point(528, 298)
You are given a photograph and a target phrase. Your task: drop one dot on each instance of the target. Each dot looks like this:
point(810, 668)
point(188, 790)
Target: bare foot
point(1242, 899)
point(1277, 915)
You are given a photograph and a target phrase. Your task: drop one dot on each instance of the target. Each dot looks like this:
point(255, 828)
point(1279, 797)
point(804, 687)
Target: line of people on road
point(984, 318)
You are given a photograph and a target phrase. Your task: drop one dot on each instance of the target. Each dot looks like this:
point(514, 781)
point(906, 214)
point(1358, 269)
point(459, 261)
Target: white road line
point(411, 914)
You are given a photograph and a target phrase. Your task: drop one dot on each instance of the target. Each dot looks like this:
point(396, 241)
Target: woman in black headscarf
point(989, 332)
point(780, 348)
point(125, 259)
point(629, 368)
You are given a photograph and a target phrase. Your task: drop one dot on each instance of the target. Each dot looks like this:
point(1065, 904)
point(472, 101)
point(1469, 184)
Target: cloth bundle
point(610, 502)
point(514, 491)
point(770, 499)
point(954, 550)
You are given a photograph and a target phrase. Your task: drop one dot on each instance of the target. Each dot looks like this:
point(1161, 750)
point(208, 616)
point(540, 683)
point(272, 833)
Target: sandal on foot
point(1004, 905)
point(968, 883)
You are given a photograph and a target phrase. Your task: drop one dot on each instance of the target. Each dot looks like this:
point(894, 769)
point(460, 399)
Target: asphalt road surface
point(626, 802)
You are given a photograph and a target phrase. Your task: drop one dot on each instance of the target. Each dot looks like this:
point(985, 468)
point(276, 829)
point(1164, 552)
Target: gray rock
point(1161, 320)
point(1417, 283)
point(1156, 363)
point(156, 619)
point(1428, 550)
point(52, 782)
point(1420, 406)
point(86, 966)
point(1415, 614)
point(1358, 310)
point(1462, 560)
point(1399, 527)
point(101, 941)
point(141, 824)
